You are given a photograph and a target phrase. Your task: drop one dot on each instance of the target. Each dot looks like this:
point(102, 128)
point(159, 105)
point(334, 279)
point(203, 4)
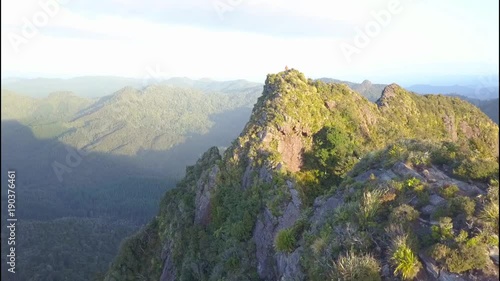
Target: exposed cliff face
point(272, 266)
point(204, 188)
point(268, 209)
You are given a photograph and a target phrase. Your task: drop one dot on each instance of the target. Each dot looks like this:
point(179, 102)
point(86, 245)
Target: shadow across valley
point(78, 201)
point(55, 180)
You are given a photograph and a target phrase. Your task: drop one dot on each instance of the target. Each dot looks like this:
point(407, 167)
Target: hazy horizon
point(440, 81)
point(407, 42)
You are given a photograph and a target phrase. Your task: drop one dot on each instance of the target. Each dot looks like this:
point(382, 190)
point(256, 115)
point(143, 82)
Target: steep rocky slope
point(323, 183)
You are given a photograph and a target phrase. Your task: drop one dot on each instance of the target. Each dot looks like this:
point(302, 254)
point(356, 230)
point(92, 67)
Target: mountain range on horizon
point(231, 140)
point(302, 138)
point(98, 86)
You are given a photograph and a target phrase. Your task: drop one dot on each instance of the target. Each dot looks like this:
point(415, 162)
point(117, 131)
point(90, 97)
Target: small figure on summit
point(286, 67)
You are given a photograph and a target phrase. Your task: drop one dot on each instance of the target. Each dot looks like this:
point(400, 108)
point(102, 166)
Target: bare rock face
point(272, 265)
point(428, 210)
point(323, 207)
point(403, 170)
point(434, 175)
point(388, 94)
point(449, 123)
point(247, 177)
point(435, 272)
point(289, 266)
point(204, 187)
point(168, 273)
point(290, 147)
point(263, 237)
point(384, 175)
point(430, 266)
point(468, 131)
point(331, 104)
point(493, 253)
point(436, 199)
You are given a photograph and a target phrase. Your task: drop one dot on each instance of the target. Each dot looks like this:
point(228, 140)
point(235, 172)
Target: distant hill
point(486, 103)
point(476, 92)
point(47, 117)
point(99, 86)
point(158, 118)
point(367, 89)
point(93, 170)
point(489, 107)
point(87, 86)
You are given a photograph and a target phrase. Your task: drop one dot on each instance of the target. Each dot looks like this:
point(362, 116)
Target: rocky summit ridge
point(324, 184)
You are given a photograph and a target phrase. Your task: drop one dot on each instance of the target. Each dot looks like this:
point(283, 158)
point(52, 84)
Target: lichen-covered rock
point(436, 199)
point(436, 273)
point(263, 236)
point(403, 170)
point(270, 264)
point(204, 188)
point(323, 207)
point(289, 266)
point(168, 273)
point(383, 175)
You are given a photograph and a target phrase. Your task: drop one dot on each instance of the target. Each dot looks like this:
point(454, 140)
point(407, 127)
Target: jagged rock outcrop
point(272, 265)
point(204, 187)
point(168, 273)
point(389, 92)
point(223, 220)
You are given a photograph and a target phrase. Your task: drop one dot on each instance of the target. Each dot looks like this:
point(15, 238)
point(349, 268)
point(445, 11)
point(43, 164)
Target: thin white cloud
point(421, 35)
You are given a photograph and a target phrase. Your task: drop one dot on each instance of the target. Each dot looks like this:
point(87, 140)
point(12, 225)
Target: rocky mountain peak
point(318, 171)
point(389, 93)
point(366, 83)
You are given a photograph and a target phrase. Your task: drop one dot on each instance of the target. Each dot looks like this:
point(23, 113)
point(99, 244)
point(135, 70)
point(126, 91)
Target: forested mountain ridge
point(489, 107)
point(103, 164)
point(373, 92)
point(47, 117)
point(99, 86)
point(156, 118)
point(323, 183)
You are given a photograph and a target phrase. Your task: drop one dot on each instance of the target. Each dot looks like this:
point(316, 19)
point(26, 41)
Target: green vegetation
point(285, 241)
point(53, 250)
point(403, 258)
point(489, 213)
point(449, 191)
point(463, 255)
point(334, 153)
point(352, 267)
point(134, 146)
point(405, 261)
point(403, 215)
point(46, 117)
point(308, 142)
point(444, 230)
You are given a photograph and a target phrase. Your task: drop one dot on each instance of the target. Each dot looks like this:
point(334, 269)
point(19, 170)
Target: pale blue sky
point(230, 39)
